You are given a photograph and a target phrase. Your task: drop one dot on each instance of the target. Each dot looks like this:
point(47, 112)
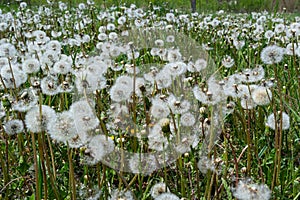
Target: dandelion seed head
point(13, 127)
point(159, 110)
point(247, 191)
point(100, 146)
point(205, 164)
point(54, 45)
point(176, 68)
point(143, 163)
point(63, 127)
point(120, 92)
point(31, 65)
point(272, 54)
point(163, 79)
point(49, 85)
point(291, 49)
point(187, 119)
point(62, 67)
point(37, 121)
point(262, 96)
point(273, 122)
point(174, 55)
point(167, 196)
point(156, 139)
point(158, 189)
point(13, 76)
point(8, 50)
point(27, 98)
point(121, 195)
point(228, 61)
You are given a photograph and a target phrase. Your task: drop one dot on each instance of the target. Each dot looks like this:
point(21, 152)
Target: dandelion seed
point(40, 36)
point(81, 6)
point(117, 109)
point(2, 110)
point(80, 139)
point(170, 38)
point(102, 36)
point(170, 17)
point(8, 50)
point(200, 95)
point(110, 27)
point(3, 62)
point(297, 52)
point(187, 141)
point(122, 20)
point(48, 59)
point(253, 75)
point(3, 26)
point(279, 28)
point(247, 103)
point(96, 67)
point(269, 34)
point(199, 65)
point(84, 116)
point(239, 44)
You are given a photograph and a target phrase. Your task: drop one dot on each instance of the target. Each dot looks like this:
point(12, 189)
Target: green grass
point(202, 5)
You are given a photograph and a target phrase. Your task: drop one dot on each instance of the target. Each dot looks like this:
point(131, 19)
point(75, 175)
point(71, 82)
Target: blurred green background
point(201, 5)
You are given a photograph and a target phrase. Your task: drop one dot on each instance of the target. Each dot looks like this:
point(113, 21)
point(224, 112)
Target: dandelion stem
point(236, 166)
point(37, 178)
point(72, 182)
point(5, 167)
point(41, 155)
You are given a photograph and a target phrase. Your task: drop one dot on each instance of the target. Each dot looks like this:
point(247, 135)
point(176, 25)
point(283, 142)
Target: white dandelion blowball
point(274, 122)
point(262, 96)
point(272, 54)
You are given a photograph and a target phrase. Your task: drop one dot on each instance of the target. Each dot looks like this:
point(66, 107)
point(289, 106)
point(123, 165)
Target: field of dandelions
point(148, 103)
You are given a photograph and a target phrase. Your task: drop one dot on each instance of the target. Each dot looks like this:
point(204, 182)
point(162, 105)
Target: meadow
point(132, 101)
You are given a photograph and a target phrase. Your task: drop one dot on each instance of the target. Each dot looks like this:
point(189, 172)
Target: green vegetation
point(96, 103)
point(202, 5)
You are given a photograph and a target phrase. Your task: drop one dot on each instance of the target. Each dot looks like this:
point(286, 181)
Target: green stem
point(72, 182)
point(37, 178)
